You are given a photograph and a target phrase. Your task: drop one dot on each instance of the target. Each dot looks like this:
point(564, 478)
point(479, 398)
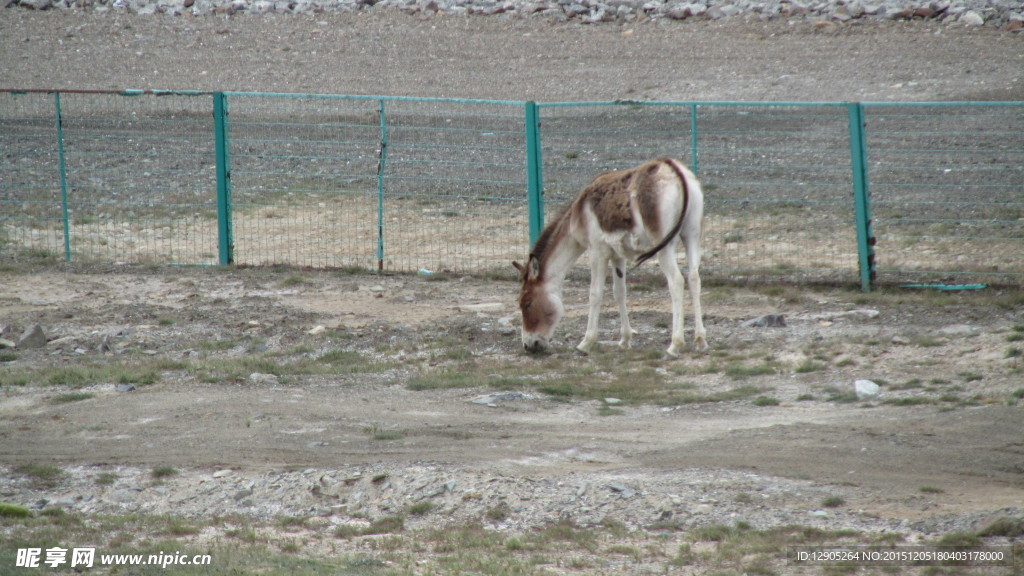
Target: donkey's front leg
point(598, 272)
point(619, 290)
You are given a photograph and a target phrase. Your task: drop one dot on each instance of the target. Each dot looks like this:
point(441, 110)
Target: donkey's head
point(541, 305)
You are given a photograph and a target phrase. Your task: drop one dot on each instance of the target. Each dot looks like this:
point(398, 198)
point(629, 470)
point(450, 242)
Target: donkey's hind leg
point(693, 256)
point(619, 290)
point(669, 266)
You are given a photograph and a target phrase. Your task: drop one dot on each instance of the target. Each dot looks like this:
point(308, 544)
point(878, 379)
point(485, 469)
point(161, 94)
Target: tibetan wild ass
point(622, 216)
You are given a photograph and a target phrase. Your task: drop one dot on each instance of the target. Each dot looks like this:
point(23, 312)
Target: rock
point(490, 307)
point(958, 330)
point(824, 14)
point(125, 388)
point(863, 314)
point(223, 473)
point(621, 489)
point(316, 330)
point(6, 343)
point(34, 337)
point(866, 389)
point(971, 18)
point(766, 321)
point(259, 378)
point(493, 399)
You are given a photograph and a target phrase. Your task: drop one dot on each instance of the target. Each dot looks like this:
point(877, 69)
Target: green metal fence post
point(383, 155)
point(861, 196)
point(225, 242)
point(534, 181)
point(63, 177)
point(693, 138)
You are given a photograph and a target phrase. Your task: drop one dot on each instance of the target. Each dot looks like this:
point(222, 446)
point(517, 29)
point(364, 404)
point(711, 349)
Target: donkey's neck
point(559, 256)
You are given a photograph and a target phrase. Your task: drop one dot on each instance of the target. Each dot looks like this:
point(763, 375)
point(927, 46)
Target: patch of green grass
point(960, 539)
point(833, 502)
point(13, 511)
point(42, 476)
point(840, 395)
point(69, 397)
point(912, 401)
point(291, 281)
point(498, 513)
point(810, 365)
point(766, 401)
point(378, 433)
point(931, 490)
point(70, 376)
point(742, 372)
point(385, 525)
point(445, 379)
point(927, 341)
point(129, 370)
point(420, 508)
point(163, 472)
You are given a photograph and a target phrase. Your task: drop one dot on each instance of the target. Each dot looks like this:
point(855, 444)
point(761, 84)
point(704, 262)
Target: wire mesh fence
point(947, 188)
point(118, 179)
point(777, 179)
point(402, 184)
point(391, 184)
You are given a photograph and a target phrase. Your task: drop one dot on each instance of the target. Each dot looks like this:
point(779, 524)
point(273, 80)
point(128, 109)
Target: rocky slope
point(1005, 14)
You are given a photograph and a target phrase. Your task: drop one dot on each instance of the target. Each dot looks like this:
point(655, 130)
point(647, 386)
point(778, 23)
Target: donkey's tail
point(682, 214)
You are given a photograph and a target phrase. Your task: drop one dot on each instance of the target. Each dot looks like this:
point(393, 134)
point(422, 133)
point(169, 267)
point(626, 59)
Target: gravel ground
point(938, 452)
point(392, 53)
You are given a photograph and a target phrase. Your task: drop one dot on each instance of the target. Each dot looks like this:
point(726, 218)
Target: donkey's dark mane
point(549, 234)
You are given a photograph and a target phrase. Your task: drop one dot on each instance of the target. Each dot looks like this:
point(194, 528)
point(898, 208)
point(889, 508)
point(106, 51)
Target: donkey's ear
point(534, 265)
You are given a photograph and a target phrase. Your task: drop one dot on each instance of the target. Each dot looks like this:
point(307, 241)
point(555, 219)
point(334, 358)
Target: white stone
point(866, 389)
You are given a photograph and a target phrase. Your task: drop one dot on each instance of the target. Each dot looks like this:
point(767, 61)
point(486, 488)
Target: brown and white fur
point(622, 216)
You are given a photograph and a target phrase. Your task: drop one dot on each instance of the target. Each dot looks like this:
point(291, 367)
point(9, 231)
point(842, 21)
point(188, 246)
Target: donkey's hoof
point(700, 344)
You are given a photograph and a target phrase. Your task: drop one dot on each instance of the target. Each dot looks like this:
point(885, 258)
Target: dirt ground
point(948, 415)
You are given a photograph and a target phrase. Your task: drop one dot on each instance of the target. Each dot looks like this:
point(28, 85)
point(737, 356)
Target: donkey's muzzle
point(534, 345)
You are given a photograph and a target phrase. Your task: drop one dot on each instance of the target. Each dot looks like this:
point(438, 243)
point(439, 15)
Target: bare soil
point(947, 416)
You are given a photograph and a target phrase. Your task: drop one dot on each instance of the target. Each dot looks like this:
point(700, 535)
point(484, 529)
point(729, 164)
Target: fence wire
point(947, 192)
point(777, 179)
point(124, 178)
point(31, 220)
point(390, 184)
point(303, 180)
point(405, 184)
